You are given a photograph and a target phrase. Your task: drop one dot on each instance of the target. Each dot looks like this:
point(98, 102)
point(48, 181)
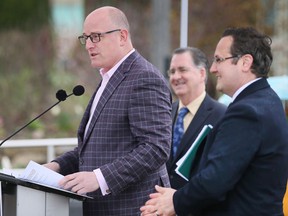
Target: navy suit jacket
point(209, 112)
point(244, 167)
point(128, 139)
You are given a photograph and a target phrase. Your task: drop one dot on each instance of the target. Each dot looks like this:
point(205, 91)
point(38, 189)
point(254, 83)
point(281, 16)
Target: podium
point(23, 198)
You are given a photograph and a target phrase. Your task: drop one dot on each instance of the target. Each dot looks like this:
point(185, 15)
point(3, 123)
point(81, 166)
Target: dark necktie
point(178, 129)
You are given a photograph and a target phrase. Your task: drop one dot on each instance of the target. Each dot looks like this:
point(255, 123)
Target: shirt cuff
point(102, 182)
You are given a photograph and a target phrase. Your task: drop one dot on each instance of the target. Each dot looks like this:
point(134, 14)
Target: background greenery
point(31, 74)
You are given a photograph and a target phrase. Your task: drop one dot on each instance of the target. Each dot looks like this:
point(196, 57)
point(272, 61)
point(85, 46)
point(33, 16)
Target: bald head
point(114, 40)
point(113, 15)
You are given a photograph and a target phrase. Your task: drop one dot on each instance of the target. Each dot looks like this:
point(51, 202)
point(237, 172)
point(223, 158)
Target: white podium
point(22, 198)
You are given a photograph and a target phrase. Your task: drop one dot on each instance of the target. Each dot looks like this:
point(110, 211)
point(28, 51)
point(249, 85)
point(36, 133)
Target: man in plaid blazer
point(125, 134)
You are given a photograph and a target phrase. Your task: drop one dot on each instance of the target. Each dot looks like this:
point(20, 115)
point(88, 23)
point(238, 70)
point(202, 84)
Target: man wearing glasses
point(244, 167)
point(125, 134)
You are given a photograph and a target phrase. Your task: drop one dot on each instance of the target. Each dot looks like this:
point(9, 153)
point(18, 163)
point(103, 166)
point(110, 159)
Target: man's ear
point(247, 61)
point(203, 73)
point(124, 36)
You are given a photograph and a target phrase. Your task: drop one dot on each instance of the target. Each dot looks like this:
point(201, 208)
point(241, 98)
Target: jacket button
point(81, 161)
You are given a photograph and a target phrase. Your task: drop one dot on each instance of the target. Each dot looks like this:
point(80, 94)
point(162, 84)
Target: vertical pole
point(184, 24)
point(50, 153)
point(160, 48)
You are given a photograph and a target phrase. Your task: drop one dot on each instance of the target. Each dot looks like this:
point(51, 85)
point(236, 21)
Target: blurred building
point(67, 18)
point(280, 39)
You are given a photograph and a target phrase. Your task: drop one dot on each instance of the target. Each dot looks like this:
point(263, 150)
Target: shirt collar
point(242, 88)
point(109, 73)
point(195, 104)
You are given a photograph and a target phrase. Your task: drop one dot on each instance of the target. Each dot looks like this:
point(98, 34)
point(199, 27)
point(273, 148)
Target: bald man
point(125, 134)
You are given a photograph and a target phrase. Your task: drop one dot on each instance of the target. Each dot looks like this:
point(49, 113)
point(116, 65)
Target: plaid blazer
point(128, 139)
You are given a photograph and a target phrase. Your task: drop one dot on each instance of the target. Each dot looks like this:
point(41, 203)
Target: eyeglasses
point(94, 37)
point(218, 60)
point(181, 70)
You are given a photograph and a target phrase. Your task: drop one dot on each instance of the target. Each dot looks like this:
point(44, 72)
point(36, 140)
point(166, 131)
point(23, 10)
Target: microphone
point(77, 91)
point(61, 95)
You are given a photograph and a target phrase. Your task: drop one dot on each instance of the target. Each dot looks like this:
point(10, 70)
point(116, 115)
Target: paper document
point(41, 175)
point(185, 163)
point(35, 172)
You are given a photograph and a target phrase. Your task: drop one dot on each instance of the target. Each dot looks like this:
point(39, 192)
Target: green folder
point(185, 163)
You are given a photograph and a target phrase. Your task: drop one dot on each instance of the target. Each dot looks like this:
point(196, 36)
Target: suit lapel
point(85, 118)
point(111, 86)
point(194, 127)
point(175, 107)
point(257, 85)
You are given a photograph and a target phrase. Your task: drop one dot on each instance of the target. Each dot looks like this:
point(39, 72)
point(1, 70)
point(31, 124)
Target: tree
point(25, 58)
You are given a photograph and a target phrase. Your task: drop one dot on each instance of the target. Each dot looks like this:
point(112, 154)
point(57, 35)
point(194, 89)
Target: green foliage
point(24, 15)
point(31, 74)
point(64, 121)
point(36, 125)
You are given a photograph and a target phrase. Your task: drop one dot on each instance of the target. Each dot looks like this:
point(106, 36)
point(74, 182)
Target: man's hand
point(80, 182)
point(160, 203)
point(53, 166)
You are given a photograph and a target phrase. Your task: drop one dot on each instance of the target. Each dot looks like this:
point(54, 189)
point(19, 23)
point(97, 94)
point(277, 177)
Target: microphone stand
point(61, 96)
point(28, 123)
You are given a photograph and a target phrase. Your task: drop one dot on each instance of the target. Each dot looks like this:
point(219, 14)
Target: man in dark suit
point(125, 134)
point(244, 167)
point(187, 75)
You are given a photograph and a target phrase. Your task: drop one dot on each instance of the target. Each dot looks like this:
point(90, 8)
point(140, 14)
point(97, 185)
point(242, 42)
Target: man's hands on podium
point(80, 182)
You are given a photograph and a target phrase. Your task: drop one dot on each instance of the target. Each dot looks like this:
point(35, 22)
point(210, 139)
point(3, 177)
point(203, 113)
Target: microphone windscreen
point(78, 90)
point(61, 95)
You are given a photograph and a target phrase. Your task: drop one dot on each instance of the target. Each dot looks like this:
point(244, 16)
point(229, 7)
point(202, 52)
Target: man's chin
point(94, 65)
point(219, 87)
point(179, 93)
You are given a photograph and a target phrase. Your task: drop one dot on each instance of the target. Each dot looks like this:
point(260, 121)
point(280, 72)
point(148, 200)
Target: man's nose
point(88, 44)
point(213, 68)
